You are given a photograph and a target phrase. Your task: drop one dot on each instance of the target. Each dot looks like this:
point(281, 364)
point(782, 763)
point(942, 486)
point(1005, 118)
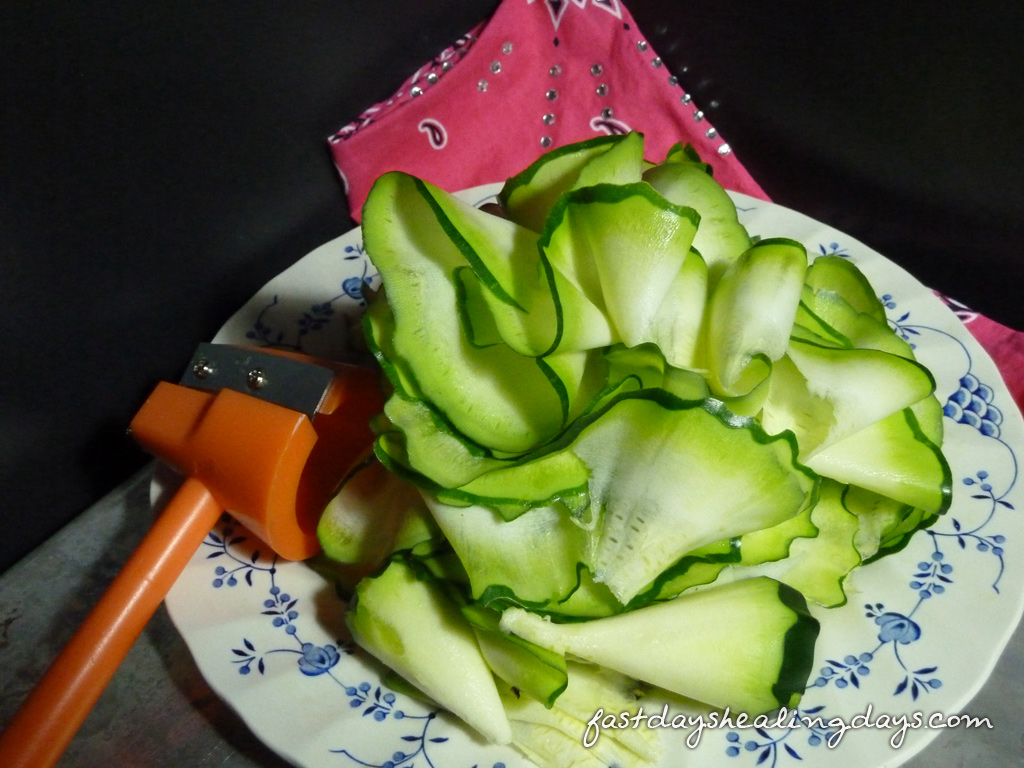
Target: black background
point(159, 162)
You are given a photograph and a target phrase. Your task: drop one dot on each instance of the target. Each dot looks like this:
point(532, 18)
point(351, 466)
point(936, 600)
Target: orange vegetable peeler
point(264, 434)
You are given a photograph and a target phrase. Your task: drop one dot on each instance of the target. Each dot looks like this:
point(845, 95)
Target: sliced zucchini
point(696, 568)
point(373, 514)
point(858, 329)
point(559, 736)
point(535, 671)
point(592, 687)
point(833, 393)
point(762, 627)
point(678, 325)
point(899, 536)
point(807, 326)
point(840, 277)
point(532, 560)
point(578, 377)
point(878, 518)
point(684, 153)
point(815, 566)
point(417, 259)
point(669, 476)
point(612, 399)
point(751, 313)
point(379, 329)
point(894, 458)
point(430, 445)
point(478, 323)
point(416, 630)
point(516, 284)
point(929, 415)
point(621, 246)
point(721, 238)
point(589, 600)
point(770, 544)
point(623, 163)
point(528, 197)
point(559, 477)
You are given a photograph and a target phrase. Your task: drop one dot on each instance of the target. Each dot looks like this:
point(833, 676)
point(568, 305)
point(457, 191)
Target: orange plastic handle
point(250, 457)
point(269, 466)
point(250, 454)
point(50, 717)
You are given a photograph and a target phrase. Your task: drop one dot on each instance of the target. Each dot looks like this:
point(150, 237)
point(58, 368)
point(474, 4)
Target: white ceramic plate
point(920, 634)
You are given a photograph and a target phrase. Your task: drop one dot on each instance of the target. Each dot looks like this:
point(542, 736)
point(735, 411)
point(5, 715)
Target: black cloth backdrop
point(160, 161)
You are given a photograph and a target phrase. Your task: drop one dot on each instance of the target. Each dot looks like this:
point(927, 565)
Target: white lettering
point(838, 727)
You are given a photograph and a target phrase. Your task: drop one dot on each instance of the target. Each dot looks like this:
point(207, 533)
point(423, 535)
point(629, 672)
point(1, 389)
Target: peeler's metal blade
point(285, 381)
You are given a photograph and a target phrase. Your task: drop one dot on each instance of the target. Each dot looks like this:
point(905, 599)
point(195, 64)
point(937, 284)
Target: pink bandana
point(541, 74)
point(538, 75)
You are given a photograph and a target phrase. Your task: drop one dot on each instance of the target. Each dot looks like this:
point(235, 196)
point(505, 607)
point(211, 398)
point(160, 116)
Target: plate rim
point(230, 332)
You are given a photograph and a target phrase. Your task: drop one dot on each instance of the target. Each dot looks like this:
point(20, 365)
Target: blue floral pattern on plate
point(269, 635)
point(247, 564)
point(273, 328)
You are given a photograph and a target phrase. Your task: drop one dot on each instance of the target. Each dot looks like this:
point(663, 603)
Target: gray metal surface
point(294, 384)
point(158, 712)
